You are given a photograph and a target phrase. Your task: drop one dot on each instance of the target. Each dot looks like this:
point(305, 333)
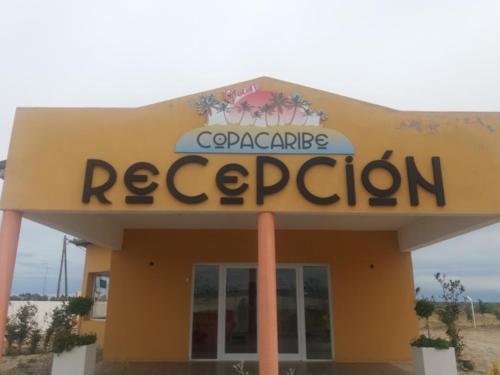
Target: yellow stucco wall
point(149, 308)
point(96, 260)
point(50, 147)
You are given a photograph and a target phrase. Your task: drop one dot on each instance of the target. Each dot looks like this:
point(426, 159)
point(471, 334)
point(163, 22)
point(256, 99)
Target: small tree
point(34, 340)
point(80, 306)
point(450, 309)
point(60, 323)
point(10, 334)
point(26, 323)
point(424, 308)
point(64, 339)
point(483, 307)
point(468, 312)
point(497, 314)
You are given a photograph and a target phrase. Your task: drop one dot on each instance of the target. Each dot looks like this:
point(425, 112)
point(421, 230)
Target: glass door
point(240, 313)
point(224, 320)
point(289, 347)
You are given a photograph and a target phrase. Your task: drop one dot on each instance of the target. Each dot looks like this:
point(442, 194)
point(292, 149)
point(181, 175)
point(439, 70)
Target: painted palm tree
point(267, 109)
point(307, 113)
point(297, 101)
point(244, 107)
point(205, 104)
point(256, 115)
point(322, 116)
point(279, 101)
point(224, 107)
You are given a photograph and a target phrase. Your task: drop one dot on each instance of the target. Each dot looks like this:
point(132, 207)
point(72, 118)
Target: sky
point(410, 55)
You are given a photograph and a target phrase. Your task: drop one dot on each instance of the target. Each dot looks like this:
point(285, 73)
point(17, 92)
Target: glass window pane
point(317, 312)
point(241, 310)
point(287, 311)
point(100, 296)
point(205, 312)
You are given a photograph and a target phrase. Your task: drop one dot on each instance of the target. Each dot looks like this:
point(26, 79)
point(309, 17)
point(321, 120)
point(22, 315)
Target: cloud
point(474, 258)
point(378, 52)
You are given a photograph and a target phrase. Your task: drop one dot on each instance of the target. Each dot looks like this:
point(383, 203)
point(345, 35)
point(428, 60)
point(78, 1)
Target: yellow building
point(182, 201)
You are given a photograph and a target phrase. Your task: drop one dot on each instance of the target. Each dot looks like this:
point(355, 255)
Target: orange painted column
point(9, 237)
point(266, 292)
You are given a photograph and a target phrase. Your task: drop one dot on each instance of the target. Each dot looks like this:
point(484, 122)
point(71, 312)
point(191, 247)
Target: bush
point(483, 307)
point(80, 305)
point(10, 334)
point(35, 338)
point(424, 308)
point(497, 314)
point(66, 342)
point(60, 324)
point(449, 310)
point(468, 312)
point(427, 342)
point(19, 327)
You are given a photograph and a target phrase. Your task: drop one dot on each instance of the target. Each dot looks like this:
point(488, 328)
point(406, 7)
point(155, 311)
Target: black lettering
point(98, 191)
point(131, 178)
point(351, 187)
point(415, 179)
point(307, 140)
point(247, 137)
point(277, 141)
point(222, 179)
point(382, 196)
point(290, 143)
point(263, 190)
point(320, 160)
point(233, 139)
point(257, 140)
point(179, 163)
point(198, 139)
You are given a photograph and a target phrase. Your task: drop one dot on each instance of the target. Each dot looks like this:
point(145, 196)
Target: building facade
point(259, 215)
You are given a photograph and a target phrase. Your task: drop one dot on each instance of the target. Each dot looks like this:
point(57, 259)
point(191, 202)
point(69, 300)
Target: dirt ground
point(482, 346)
point(34, 364)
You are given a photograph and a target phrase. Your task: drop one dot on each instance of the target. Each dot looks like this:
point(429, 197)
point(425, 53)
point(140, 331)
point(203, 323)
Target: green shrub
point(20, 326)
point(66, 342)
point(449, 310)
point(485, 307)
point(34, 340)
point(424, 308)
point(60, 324)
point(428, 342)
point(497, 314)
point(468, 312)
point(10, 334)
point(80, 305)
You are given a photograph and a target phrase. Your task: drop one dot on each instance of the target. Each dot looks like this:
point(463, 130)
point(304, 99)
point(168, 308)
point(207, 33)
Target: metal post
point(472, 308)
point(65, 268)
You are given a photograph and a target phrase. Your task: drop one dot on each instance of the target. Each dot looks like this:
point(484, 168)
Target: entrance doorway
point(224, 312)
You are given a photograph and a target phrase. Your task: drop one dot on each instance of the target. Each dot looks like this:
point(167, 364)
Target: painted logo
point(254, 121)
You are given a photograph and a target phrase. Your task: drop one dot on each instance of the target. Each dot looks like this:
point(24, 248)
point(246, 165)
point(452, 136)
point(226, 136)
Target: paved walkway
point(226, 368)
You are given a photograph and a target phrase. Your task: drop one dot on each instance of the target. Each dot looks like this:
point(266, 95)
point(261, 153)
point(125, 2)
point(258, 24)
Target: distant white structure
point(44, 315)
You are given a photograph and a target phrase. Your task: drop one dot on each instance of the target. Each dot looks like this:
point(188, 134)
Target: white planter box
point(430, 361)
point(78, 361)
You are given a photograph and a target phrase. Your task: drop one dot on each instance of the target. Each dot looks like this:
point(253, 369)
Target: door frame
point(221, 321)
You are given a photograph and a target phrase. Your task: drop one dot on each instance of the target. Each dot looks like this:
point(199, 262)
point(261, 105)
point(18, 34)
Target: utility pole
point(64, 264)
point(45, 278)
